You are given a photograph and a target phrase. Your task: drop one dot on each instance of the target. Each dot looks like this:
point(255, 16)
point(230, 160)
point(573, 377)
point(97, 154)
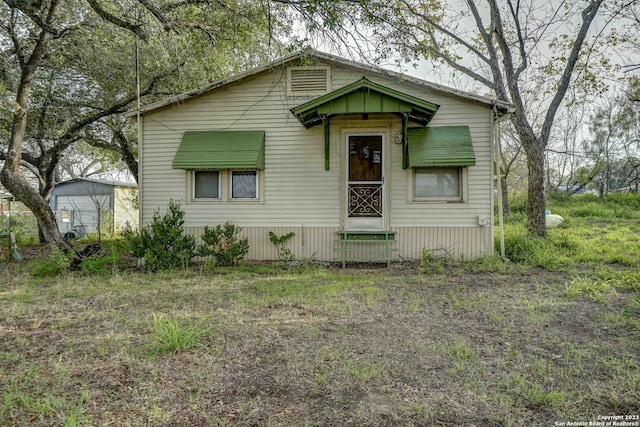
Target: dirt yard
point(318, 347)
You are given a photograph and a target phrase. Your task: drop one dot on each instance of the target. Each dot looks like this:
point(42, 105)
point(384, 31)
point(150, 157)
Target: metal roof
point(99, 181)
point(441, 146)
point(221, 150)
point(502, 106)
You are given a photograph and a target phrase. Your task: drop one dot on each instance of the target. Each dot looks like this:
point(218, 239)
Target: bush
point(163, 243)
point(223, 243)
point(518, 202)
point(57, 263)
point(133, 239)
point(95, 264)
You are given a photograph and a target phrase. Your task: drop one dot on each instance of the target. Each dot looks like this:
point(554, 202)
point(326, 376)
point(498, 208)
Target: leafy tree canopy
point(69, 68)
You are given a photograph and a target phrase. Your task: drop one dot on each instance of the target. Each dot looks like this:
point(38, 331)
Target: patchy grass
point(551, 338)
point(316, 346)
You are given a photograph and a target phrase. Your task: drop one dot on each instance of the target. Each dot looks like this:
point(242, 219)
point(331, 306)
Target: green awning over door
point(220, 150)
point(364, 96)
point(441, 146)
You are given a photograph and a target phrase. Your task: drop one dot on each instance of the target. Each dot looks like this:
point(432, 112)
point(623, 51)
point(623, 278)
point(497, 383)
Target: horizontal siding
point(320, 243)
point(298, 191)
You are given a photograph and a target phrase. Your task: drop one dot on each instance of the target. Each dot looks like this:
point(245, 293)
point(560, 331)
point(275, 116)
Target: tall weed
point(521, 247)
point(174, 336)
point(96, 264)
point(594, 232)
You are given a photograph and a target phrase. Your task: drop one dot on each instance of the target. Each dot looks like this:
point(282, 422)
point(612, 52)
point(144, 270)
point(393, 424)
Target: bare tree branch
point(17, 46)
point(521, 41)
point(588, 14)
point(431, 23)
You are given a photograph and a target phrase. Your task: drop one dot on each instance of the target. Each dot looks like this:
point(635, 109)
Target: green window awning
point(441, 146)
point(221, 150)
point(364, 96)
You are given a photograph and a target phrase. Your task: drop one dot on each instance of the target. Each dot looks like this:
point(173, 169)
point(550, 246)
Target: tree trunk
point(22, 191)
point(11, 175)
point(505, 197)
point(126, 153)
point(536, 203)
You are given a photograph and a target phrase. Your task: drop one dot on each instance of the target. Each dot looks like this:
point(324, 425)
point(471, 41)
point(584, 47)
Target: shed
point(87, 205)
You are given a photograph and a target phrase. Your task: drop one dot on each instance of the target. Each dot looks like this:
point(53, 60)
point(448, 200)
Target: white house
point(359, 162)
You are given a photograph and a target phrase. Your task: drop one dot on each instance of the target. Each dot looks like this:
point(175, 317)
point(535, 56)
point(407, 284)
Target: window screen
point(437, 183)
point(244, 184)
point(206, 184)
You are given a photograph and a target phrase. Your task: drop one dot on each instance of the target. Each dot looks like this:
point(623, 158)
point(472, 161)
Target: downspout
point(496, 137)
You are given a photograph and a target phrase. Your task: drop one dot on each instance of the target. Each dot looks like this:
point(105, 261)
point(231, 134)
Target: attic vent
point(305, 81)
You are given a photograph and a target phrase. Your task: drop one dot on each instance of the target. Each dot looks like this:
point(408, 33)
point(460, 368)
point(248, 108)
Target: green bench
point(350, 242)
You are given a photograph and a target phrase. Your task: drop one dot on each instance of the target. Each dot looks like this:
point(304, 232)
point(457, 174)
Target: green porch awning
point(441, 146)
point(221, 150)
point(362, 97)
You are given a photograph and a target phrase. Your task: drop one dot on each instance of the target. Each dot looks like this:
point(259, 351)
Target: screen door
point(365, 182)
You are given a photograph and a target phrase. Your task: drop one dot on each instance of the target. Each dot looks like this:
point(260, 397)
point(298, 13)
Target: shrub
point(163, 242)
point(55, 264)
point(518, 202)
point(222, 242)
point(96, 264)
point(133, 239)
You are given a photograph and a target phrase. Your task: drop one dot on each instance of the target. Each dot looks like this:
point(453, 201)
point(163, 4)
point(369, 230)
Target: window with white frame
point(206, 184)
point(437, 183)
point(244, 184)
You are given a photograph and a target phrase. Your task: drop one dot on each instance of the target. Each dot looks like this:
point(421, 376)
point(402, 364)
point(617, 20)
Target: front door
point(365, 182)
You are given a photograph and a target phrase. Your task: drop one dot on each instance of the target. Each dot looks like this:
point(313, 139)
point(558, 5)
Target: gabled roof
point(364, 96)
point(501, 105)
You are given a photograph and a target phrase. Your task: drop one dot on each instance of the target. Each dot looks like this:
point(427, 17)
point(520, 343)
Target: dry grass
point(315, 346)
